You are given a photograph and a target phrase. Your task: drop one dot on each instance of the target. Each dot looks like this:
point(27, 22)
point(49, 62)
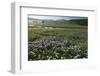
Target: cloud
point(46, 17)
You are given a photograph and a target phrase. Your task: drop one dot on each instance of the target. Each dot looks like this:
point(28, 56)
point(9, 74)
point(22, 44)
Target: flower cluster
point(50, 48)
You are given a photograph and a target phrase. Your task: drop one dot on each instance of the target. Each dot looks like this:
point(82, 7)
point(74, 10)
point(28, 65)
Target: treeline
point(83, 22)
point(80, 21)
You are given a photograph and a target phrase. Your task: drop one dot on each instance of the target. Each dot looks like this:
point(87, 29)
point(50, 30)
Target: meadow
point(62, 40)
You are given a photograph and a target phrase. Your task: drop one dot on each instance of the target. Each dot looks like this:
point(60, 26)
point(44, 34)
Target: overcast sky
point(55, 17)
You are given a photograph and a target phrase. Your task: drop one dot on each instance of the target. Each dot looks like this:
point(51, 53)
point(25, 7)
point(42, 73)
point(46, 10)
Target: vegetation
point(51, 40)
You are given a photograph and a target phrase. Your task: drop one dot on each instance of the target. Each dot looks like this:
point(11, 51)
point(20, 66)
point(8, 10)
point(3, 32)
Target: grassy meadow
point(60, 39)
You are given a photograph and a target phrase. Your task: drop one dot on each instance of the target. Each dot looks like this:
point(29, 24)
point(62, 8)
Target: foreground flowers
point(51, 48)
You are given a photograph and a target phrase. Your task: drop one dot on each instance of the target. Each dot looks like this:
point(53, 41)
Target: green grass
point(66, 32)
point(75, 34)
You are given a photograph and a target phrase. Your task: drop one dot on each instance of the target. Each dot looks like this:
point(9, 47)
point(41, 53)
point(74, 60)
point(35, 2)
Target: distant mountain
point(33, 21)
point(80, 21)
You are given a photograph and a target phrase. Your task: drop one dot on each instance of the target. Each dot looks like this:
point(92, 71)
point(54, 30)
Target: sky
point(55, 17)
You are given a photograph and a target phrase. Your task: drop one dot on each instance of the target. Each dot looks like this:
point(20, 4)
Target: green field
point(57, 41)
